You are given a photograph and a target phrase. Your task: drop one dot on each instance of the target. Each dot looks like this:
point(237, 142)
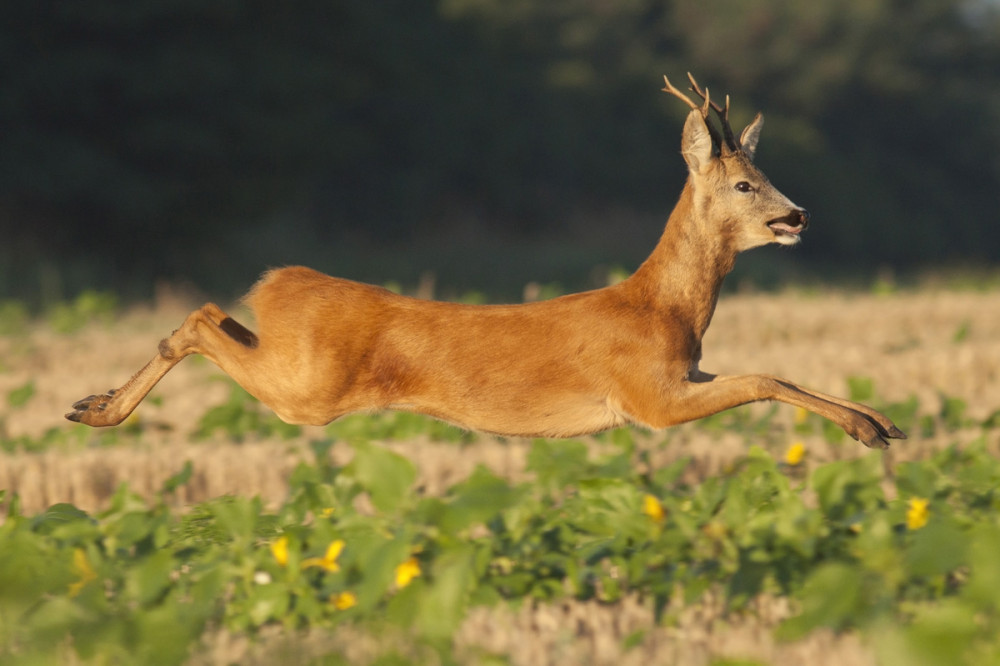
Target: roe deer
point(577, 364)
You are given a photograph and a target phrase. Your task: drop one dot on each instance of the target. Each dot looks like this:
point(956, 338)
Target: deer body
point(572, 365)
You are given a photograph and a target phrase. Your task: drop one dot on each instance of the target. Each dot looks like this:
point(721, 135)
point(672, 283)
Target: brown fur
point(572, 365)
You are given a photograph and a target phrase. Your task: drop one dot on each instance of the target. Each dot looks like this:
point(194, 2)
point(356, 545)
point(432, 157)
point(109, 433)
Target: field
point(204, 530)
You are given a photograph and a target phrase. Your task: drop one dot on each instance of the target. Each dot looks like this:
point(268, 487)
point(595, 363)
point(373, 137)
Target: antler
point(727, 142)
point(716, 139)
point(731, 144)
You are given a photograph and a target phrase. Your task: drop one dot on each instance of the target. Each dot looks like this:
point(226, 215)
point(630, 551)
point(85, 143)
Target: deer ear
point(751, 135)
point(696, 142)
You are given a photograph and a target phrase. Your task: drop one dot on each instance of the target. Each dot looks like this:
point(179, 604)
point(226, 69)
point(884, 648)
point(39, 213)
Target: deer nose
point(803, 216)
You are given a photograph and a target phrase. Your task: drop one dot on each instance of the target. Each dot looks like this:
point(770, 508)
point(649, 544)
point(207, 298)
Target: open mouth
point(789, 227)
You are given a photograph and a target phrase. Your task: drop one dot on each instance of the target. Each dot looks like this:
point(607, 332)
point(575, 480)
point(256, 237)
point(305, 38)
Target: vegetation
point(445, 126)
point(906, 556)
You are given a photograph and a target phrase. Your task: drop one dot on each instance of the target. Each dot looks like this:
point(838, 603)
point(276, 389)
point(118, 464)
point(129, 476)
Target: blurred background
point(492, 142)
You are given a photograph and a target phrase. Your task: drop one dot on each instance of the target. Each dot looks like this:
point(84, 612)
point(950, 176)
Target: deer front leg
point(710, 394)
point(205, 329)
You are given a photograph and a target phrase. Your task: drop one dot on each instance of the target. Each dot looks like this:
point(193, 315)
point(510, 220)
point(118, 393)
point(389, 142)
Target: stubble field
point(931, 355)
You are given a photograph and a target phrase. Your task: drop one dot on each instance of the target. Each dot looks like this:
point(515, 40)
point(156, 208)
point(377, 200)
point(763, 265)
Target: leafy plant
point(242, 415)
point(908, 559)
point(21, 395)
point(89, 306)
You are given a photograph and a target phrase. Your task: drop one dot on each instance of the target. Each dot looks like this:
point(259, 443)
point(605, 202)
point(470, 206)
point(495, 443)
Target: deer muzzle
point(792, 224)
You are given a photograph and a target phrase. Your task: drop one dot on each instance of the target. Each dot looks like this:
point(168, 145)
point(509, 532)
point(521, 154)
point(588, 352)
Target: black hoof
point(84, 405)
point(876, 442)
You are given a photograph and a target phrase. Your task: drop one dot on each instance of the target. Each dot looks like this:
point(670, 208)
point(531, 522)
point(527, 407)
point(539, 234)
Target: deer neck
point(684, 274)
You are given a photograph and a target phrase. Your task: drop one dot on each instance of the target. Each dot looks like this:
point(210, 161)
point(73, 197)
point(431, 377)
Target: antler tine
point(714, 133)
point(703, 94)
point(723, 113)
point(726, 129)
point(677, 93)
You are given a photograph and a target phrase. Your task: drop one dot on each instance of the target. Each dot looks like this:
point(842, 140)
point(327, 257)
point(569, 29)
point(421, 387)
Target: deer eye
point(743, 186)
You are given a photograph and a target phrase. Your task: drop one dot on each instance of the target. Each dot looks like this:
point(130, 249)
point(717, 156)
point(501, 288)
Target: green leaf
point(268, 602)
point(876, 548)
point(847, 488)
point(608, 507)
point(147, 582)
point(669, 475)
point(478, 499)
point(163, 634)
point(937, 549)
point(56, 516)
point(831, 597)
point(31, 568)
point(377, 564)
point(941, 633)
point(388, 477)
point(20, 396)
point(904, 414)
point(861, 389)
point(953, 413)
point(179, 479)
point(558, 463)
point(237, 517)
point(748, 580)
point(443, 604)
point(984, 578)
point(917, 478)
point(125, 531)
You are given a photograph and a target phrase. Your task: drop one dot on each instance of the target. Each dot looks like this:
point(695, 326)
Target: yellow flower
point(406, 572)
point(326, 512)
point(329, 560)
point(801, 415)
point(795, 453)
point(82, 566)
point(344, 600)
point(652, 508)
point(918, 513)
point(279, 548)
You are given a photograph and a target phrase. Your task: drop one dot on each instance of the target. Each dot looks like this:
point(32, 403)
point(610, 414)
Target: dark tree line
point(139, 139)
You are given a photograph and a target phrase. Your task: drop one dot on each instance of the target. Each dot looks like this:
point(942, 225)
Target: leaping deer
point(573, 365)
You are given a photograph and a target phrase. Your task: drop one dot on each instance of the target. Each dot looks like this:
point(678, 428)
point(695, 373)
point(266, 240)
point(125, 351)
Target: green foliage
point(141, 582)
point(20, 396)
point(87, 307)
point(240, 415)
point(58, 436)
point(908, 559)
point(387, 476)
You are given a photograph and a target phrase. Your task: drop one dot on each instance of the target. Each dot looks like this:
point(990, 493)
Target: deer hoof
point(90, 410)
point(896, 433)
point(876, 442)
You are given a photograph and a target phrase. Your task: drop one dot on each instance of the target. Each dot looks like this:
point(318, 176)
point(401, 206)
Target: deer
point(624, 354)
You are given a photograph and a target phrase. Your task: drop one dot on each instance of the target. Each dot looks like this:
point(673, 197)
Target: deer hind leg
point(713, 394)
point(208, 331)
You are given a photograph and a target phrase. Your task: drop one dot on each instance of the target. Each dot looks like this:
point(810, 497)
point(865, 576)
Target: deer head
point(729, 191)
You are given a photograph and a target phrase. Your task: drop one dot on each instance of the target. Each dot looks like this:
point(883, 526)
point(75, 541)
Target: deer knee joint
point(166, 351)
